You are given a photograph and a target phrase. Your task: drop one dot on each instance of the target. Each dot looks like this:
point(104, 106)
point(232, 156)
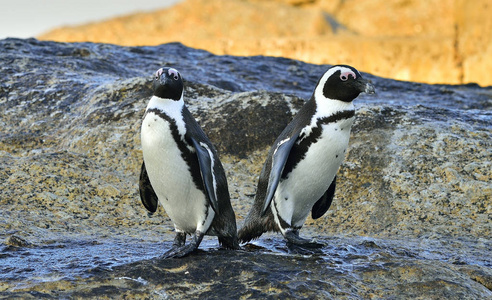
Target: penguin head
point(342, 82)
point(168, 84)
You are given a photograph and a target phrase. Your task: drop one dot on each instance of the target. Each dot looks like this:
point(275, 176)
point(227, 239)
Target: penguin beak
point(160, 83)
point(164, 79)
point(365, 86)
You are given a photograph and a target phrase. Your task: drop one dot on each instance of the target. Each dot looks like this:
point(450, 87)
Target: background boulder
point(432, 41)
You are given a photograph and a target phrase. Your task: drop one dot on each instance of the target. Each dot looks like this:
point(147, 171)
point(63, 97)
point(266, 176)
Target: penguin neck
point(327, 107)
point(172, 108)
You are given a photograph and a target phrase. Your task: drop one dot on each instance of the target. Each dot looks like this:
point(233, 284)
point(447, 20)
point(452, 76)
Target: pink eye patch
point(174, 73)
point(158, 73)
point(346, 75)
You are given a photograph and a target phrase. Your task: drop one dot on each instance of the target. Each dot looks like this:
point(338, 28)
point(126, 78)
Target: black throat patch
point(299, 150)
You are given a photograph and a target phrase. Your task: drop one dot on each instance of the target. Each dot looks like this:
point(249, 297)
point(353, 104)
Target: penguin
point(299, 174)
point(181, 170)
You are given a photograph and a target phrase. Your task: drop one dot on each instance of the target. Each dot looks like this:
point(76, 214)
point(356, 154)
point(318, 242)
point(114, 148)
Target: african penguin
point(299, 174)
point(181, 170)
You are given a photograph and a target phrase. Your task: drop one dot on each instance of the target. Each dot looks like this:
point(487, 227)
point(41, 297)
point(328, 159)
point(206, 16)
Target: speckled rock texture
point(411, 217)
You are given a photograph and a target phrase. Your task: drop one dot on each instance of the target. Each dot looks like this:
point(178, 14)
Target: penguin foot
point(177, 252)
point(179, 239)
point(293, 238)
point(179, 249)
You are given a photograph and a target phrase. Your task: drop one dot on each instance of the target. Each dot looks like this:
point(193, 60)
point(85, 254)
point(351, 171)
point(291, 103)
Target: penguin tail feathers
point(254, 226)
point(248, 233)
point(229, 242)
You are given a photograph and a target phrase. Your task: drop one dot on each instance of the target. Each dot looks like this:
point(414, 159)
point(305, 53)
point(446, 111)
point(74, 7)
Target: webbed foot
point(293, 238)
point(180, 249)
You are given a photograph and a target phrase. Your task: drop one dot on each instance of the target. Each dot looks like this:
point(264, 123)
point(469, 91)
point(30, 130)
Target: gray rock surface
point(411, 217)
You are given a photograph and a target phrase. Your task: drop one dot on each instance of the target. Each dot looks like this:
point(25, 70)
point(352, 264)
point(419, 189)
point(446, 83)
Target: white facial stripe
point(172, 108)
point(158, 73)
point(174, 73)
point(327, 108)
point(318, 93)
point(346, 75)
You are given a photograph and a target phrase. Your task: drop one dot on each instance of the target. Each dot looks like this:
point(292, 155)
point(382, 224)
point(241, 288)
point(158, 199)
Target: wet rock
point(348, 268)
point(411, 214)
point(15, 241)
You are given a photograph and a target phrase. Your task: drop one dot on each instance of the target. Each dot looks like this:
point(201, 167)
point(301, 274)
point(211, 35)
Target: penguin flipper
point(322, 205)
point(205, 160)
point(147, 193)
point(279, 158)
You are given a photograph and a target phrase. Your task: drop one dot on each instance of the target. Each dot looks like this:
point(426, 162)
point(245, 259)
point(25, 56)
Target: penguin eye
point(157, 74)
point(346, 75)
point(173, 73)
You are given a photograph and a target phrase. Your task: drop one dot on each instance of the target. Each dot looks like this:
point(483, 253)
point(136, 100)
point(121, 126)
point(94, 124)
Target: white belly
point(309, 180)
point(170, 177)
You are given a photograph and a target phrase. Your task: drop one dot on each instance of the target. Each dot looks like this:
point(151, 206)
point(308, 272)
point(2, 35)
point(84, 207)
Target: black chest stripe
point(189, 157)
point(299, 150)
